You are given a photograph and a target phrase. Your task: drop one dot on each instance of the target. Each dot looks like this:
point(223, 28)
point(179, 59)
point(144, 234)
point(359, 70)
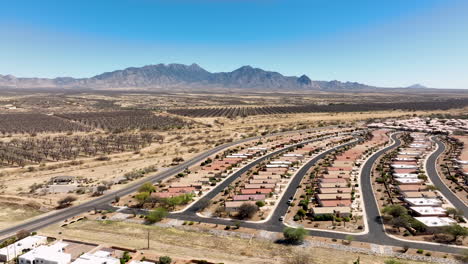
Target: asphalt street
point(376, 234)
point(435, 178)
point(103, 201)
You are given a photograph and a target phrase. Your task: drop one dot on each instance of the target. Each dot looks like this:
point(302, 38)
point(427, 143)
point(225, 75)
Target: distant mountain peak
point(417, 86)
point(304, 80)
point(246, 68)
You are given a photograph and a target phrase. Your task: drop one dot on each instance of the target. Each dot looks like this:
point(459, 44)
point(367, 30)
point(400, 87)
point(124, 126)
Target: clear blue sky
point(378, 42)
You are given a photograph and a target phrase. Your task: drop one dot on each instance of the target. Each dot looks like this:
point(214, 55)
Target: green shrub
point(156, 215)
point(260, 203)
point(165, 260)
point(294, 235)
point(324, 217)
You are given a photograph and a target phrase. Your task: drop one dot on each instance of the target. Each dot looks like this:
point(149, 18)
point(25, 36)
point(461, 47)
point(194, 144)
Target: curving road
point(376, 233)
point(107, 198)
point(431, 167)
point(282, 204)
point(196, 206)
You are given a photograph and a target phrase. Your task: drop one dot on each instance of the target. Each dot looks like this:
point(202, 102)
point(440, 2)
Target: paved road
point(432, 173)
point(63, 214)
point(196, 206)
point(376, 234)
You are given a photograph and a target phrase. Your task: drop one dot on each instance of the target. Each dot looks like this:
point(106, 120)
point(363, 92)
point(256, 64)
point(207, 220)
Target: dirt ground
point(183, 244)
point(15, 182)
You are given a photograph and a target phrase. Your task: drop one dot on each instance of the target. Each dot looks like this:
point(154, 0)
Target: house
point(423, 201)
point(335, 190)
point(405, 162)
point(277, 166)
point(53, 254)
point(333, 199)
point(333, 185)
point(249, 197)
point(340, 175)
point(270, 181)
point(409, 153)
point(271, 174)
point(427, 194)
point(348, 168)
point(338, 211)
point(28, 243)
point(281, 162)
point(342, 163)
point(404, 166)
point(180, 185)
point(405, 175)
point(266, 177)
point(279, 170)
point(434, 223)
point(181, 190)
point(238, 156)
point(333, 196)
point(404, 158)
point(164, 194)
point(335, 203)
point(411, 188)
point(260, 186)
point(98, 257)
point(404, 171)
point(256, 191)
point(333, 180)
point(428, 211)
point(409, 181)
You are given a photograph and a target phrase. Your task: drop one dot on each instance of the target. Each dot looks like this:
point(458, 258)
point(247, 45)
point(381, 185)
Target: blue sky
point(378, 42)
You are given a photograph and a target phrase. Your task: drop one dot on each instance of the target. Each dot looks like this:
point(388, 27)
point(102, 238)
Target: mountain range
point(186, 77)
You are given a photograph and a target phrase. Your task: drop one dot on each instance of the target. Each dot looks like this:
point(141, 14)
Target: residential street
point(376, 233)
point(435, 178)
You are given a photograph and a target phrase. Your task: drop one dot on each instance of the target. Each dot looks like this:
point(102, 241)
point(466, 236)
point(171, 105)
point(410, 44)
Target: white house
point(14, 250)
point(404, 166)
point(429, 211)
point(47, 255)
point(409, 181)
point(98, 257)
point(277, 166)
point(405, 175)
point(280, 162)
point(435, 222)
point(423, 201)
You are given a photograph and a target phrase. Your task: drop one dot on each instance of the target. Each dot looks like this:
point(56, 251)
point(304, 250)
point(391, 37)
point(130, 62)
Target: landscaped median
point(411, 206)
point(329, 197)
point(255, 194)
point(191, 186)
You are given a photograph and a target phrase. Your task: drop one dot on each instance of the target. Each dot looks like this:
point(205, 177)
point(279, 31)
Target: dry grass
point(14, 213)
point(182, 244)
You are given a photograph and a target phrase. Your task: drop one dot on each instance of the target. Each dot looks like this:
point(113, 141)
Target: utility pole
point(148, 239)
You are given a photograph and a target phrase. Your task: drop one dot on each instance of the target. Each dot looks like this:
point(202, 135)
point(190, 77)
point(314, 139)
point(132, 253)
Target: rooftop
point(423, 201)
point(434, 221)
point(429, 210)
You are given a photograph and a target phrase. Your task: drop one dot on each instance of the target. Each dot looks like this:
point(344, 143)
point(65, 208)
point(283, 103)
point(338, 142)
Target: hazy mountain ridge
point(163, 76)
